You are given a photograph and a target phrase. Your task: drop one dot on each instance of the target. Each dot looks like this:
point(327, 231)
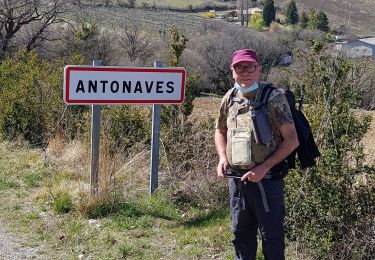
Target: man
point(257, 197)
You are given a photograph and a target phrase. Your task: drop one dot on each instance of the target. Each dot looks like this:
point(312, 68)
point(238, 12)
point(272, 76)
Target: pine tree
point(322, 21)
point(269, 12)
point(292, 13)
point(311, 19)
point(304, 20)
point(317, 21)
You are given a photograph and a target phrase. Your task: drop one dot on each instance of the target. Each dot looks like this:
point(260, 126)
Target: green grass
point(127, 250)
point(63, 202)
point(7, 183)
point(112, 226)
point(30, 217)
point(32, 179)
point(20, 166)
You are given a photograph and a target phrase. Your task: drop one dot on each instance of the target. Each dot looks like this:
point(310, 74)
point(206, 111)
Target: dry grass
point(369, 140)
point(205, 108)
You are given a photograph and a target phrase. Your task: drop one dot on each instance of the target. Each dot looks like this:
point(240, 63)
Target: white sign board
point(123, 85)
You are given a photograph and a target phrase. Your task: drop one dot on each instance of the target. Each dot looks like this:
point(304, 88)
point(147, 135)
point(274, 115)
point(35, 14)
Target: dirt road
point(14, 247)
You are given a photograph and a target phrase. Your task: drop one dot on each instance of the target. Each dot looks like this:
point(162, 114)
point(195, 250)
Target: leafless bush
point(209, 53)
point(364, 84)
point(26, 23)
point(189, 170)
point(135, 41)
point(87, 40)
point(308, 35)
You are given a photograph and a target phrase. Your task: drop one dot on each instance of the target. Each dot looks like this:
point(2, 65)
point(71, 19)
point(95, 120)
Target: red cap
point(244, 55)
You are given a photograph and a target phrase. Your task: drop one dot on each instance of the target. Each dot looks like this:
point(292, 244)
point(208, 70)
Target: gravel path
point(14, 247)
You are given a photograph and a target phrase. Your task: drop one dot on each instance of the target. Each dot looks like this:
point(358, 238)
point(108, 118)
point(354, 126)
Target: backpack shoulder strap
point(233, 97)
point(265, 93)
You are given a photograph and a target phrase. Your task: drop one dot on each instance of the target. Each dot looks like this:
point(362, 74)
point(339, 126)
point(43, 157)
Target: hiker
point(252, 144)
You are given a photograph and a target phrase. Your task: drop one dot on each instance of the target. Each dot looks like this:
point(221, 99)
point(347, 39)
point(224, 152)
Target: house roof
point(368, 40)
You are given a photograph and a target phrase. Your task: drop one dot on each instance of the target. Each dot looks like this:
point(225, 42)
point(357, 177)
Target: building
point(358, 48)
point(255, 10)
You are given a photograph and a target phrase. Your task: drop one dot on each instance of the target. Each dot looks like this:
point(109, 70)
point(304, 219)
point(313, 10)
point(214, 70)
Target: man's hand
point(256, 174)
point(222, 167)
point(221, 145)
point(289, 143)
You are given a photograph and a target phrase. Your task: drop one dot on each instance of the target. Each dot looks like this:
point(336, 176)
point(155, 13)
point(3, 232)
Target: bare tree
point(243, 8)
point(135, 41)
point(16, 15)
point(131, 3)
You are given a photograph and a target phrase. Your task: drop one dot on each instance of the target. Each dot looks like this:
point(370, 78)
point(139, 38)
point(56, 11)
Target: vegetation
point(110, 226)
point(176, 5)
point(31, 98)
point(317, 20)
point(292, 13)
point(304, 20)
point(325, 202)
point(16, 16)
point(210, 15)
point(44, 144)
point(256, 22)
point(269, 12)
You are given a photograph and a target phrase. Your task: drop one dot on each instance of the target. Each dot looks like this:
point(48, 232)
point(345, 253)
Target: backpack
point(307, 150)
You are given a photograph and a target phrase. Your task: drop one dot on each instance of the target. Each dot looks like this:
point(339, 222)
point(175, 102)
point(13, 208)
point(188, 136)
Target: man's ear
point(232, 71)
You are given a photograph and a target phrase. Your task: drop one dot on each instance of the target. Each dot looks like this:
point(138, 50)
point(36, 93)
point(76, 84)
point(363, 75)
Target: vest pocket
point(241, 146)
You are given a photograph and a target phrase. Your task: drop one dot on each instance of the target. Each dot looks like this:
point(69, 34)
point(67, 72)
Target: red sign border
point(70, 68)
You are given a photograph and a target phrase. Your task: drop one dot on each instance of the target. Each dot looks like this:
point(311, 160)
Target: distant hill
point(357, 15)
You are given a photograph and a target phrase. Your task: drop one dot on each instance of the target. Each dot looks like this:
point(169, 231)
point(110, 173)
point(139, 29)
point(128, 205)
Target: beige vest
point(242, 150)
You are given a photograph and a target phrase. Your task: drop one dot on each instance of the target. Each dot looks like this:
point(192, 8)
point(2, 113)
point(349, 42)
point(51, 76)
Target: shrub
point(317, 20)
point(63, 202)
point(210, 15)
point(269, 12)
point(256, 22)
point(329, 211)
point(124, 126)
point(31, 101)
point(304, 20)
point(32, 105)
point(190, 168)
point(103, 205)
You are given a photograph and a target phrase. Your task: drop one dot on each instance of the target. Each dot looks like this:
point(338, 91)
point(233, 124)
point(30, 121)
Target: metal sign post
point(95, 140)
point(155, 142)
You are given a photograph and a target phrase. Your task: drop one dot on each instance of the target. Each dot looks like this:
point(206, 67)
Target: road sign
point(123, 85)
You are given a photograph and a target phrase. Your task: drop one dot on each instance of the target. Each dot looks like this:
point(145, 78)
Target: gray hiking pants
point(253, 206)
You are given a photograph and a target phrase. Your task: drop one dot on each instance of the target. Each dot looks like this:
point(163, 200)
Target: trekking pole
point(300, 99)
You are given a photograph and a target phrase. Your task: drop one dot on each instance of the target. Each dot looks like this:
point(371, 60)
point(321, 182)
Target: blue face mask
point(253, 87)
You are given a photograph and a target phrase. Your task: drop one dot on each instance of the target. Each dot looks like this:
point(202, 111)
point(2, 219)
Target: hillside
point(154, 20)
point(357, 15)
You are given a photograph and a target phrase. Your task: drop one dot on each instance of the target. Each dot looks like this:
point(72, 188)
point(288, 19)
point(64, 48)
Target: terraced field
point(155, 20)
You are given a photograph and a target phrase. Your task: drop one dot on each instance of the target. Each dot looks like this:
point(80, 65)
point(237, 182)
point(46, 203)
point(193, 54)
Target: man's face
point(246, 73)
